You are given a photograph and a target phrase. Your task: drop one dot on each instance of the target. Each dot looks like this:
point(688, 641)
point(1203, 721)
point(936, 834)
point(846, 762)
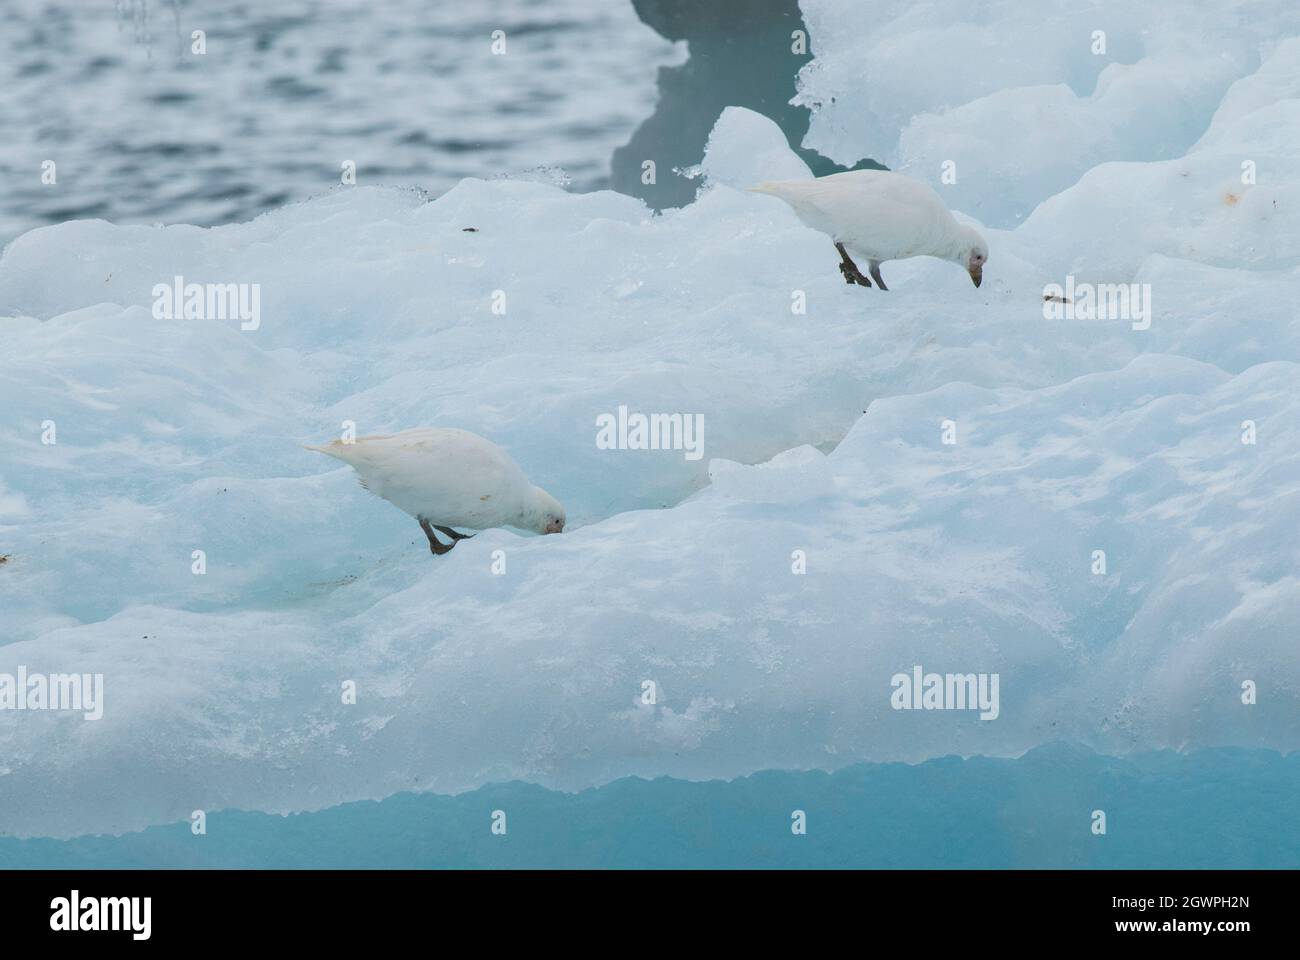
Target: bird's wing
point(467, 466)
point(896, 217)
point(881, 217)
point(813, 201)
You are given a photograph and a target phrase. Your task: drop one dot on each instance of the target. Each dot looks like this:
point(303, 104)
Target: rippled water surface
point(143, 130)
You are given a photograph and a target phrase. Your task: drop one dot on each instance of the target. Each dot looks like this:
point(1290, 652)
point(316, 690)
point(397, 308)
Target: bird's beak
point(977, 275)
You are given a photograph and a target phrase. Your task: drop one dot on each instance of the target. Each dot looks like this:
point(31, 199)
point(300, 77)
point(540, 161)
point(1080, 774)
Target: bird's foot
point(848, 269)
point(436, 546)
point(853, 275)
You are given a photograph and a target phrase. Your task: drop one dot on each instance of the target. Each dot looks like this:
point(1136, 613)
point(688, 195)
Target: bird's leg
point(449, 532)
point(435, 545)
point(874, 267)
point(849, 269)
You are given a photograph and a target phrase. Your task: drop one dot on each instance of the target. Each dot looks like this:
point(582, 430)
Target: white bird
point(880, 215)
point(449, 478)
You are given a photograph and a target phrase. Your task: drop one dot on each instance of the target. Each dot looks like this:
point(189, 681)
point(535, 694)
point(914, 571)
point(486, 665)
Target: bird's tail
point(335, 448)
point(767, 186)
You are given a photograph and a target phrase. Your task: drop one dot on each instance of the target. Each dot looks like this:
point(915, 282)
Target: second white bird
point(879, 215)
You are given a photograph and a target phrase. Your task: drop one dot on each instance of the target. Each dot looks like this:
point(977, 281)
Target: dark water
point(142, 129)
point(742, 54)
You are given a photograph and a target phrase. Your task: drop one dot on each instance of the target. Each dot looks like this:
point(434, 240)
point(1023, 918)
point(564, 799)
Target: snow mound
point(746, 148)
point(1024, 105)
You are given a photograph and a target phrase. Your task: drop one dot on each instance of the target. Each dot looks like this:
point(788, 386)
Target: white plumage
point(449, 478)
point(879, 215)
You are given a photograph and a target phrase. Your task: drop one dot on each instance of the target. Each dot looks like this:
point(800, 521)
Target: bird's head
point(974, 253)
point(546, 514)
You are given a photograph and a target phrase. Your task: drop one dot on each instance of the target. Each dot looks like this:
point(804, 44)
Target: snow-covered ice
point(1018, 99)
point(823, 434)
